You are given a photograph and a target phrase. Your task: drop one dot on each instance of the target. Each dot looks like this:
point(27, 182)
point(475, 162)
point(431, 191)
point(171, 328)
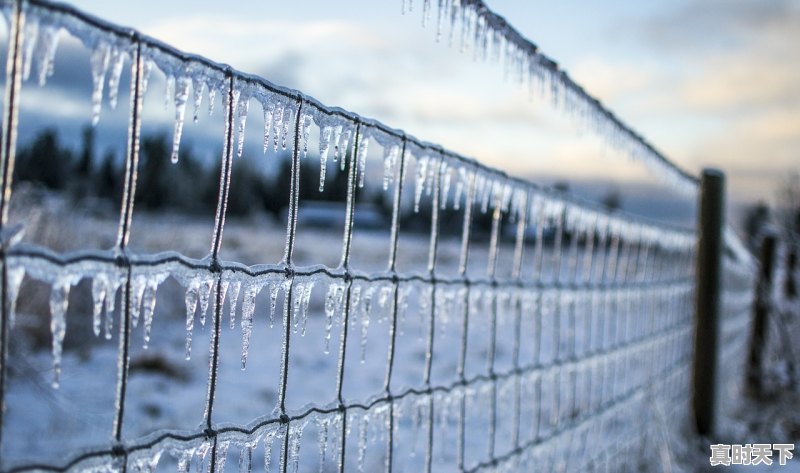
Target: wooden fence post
point(761, 307)
point(707, 298)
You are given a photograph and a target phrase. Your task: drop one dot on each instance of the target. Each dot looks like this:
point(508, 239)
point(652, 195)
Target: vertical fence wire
point(345, 264)
point(393, 247)
point(7, 157)
point(126, 214)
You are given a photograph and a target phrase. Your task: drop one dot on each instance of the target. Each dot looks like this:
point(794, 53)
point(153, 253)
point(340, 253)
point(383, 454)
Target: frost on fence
point(472, 25)
point(738, 287)
point(559, 328)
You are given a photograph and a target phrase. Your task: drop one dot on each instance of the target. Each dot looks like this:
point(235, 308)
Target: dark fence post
point(760, 314)
point(709, 259)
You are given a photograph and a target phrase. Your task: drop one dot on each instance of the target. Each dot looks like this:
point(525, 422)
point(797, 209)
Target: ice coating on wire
point(490, 36)
point(449, 181)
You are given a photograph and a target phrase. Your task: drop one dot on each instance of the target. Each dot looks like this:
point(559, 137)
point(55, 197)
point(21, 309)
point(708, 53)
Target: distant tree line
point(188, 186)
point(191, 185)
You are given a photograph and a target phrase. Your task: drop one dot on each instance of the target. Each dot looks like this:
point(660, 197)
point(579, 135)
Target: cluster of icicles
point(435, 172)
point(449, 181)
point(474, 26)
point(600, 409)
point(279, 443)
point(192, 81)
point(435, 169)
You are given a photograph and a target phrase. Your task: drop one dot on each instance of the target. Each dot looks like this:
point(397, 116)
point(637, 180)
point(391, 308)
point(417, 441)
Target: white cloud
point(245, 43)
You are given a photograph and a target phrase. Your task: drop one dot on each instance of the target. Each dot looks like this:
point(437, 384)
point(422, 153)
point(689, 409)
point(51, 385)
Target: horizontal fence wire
point(477, 27)
point(584, 341)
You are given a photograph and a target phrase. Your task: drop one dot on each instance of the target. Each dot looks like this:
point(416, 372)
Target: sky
point(709, 83)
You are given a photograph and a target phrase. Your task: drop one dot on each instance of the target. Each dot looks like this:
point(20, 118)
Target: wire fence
point(781, 360)
point(552, 332)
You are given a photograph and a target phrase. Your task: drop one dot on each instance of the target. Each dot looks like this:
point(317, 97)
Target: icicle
point(485, 197)
point(138, 285)
point(345, 144)
point(463, 178)
point(184, 461)
point(333, 302)
point(59, 302)
point(224, 284)
point(204, 297)
point(99, 62)
point(30, 37)
point(246, 458)
point(111, 296)
point(383, 296)
point(287, 119)
point(212, 97)
point(306, 127)
point(390, 155)
point(242, 107)
point(362, 441)
point(104, 290)
point(269, 111)
point(181, 96)
point(169, 91)
point(355, 300)
point(297, 301)
point(446, 181)
point(46, 46)
point(191, 305)
point(148, 464)
point(440, 12)
point(431, 176)
point(422, 174)
point(324, 146)
point(337, 136)
point(322, 432)
point(402, 309)
point(197, 90)
point(425, 297)
point(233, 297)
point(363, 146)
point(222, 455)
point(418, 404)
point(15, 277)
point(277, 118)
point(366, 312)
point(426, 12)
point(248, 307)
point(147, 70)
point(100, 285)
point(202, 452)
point(295, 438)
point(273, 302)
point(304, 298)
point(149, 305)
point(270, 435)
point(116, 62)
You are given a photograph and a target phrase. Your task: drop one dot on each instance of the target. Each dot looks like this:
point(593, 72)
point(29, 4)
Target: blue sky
point(707, 82)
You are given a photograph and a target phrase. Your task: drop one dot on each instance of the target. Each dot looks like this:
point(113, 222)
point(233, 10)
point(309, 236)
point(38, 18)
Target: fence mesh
point(781, 358)
point(535, 329)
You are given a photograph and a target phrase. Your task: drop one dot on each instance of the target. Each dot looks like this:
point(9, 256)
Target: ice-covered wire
point(636, 306)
